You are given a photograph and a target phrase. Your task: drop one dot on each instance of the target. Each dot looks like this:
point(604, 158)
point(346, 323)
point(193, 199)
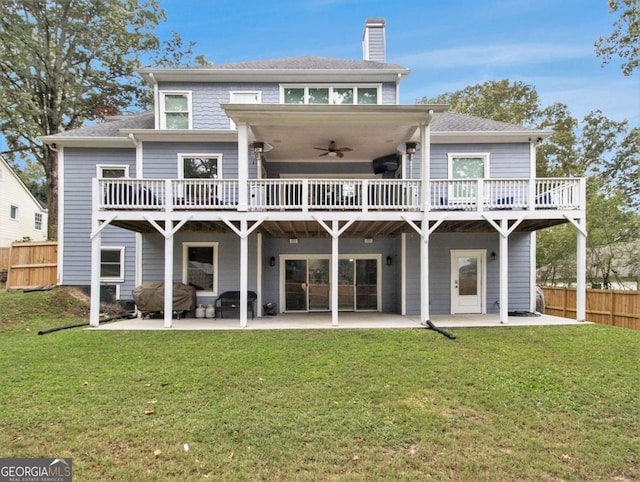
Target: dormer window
point(335, 94)
point(175, 110)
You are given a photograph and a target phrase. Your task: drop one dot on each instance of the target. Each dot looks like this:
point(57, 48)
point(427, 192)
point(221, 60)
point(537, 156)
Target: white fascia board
point(488, 136)
point(309, 114)
point(274, 75)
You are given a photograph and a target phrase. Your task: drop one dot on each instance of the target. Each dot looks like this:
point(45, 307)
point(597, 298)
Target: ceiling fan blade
point(321, 148)
point(339, 154)
point(344, 149)
point(323, 154)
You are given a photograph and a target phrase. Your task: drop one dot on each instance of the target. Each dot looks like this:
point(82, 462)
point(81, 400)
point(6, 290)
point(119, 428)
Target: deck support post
point(244, 275)
point(168, 274)
point(334, 272)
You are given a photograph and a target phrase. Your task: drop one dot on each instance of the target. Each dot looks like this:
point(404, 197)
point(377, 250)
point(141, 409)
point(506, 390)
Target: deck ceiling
point(359, 229)
point(371, 131)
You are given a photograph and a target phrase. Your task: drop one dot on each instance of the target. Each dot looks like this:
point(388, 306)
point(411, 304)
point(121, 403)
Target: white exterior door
point(468, 280)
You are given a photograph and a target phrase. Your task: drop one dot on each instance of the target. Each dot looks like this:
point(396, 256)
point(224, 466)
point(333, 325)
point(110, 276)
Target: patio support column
point(581, 272)
point(424, 206)
point(168, 274)
point(244, 276)
point(334, 273)
point(94, 317)
point(504, 271)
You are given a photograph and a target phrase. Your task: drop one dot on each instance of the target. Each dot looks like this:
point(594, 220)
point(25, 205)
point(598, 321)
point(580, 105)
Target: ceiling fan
point(333, 150)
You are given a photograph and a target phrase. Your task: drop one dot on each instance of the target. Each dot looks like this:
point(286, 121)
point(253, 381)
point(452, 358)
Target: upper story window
point(1, 174)
point(13, 212)
point(112, 171)
point(336, 94)
point(468, 166)
point(37, 222)
point(175, 110)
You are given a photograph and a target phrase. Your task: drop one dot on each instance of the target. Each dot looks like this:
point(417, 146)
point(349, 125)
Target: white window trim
point(114, 248)
point(163, 94)
point(355, 87)
point(183, 156)
point(485, 156)
point(185, 263)
point(17, 211)
point(258, 93)
point(102, 167)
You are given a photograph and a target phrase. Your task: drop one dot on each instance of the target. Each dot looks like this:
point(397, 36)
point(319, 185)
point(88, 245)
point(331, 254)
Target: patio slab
point(315, 321)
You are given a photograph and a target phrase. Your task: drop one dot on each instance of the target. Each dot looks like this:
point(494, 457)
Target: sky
point(447, 44)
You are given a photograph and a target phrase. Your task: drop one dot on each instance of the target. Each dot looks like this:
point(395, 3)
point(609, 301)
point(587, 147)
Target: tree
point(624, 41)
point(502, 100)
point(64, 62)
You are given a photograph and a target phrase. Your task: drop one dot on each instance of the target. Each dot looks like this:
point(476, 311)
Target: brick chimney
point(373, 40)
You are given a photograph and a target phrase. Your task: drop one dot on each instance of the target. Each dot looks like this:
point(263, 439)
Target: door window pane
point(366, 284)
point(318, 284)
point(468, 275)
point(296, 284)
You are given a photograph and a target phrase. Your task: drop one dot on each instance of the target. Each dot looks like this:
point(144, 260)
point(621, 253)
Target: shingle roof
point(144, 120)
point(302, 63)
point(454, 122)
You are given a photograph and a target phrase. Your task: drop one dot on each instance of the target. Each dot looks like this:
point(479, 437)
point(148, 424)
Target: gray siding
point(79, 170)
point(161, 158)
point(505, 160)
point(207, 97)
point(440, 246)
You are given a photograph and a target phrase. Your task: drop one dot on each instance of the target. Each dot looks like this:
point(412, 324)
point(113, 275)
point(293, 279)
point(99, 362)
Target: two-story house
point(22, 216)
point(305, 180)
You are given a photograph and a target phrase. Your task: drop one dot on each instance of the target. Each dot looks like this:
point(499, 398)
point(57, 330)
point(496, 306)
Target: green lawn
point(538, 403)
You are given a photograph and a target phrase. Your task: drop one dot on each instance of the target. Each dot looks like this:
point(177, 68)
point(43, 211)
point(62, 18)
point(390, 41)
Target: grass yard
point(541, 403)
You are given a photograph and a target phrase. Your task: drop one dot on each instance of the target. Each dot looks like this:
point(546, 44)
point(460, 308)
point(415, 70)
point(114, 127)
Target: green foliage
point(624, 41)
point(66, 62)
point(502, 100)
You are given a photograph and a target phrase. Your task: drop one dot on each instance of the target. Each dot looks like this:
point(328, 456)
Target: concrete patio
point(347, 320)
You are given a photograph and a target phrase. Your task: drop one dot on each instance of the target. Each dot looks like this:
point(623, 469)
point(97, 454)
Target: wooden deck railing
point(343, 194)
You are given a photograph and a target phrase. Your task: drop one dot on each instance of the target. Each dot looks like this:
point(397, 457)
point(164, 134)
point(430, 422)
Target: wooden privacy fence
point(4, 258)
point(32, 265)
point(608, 307)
